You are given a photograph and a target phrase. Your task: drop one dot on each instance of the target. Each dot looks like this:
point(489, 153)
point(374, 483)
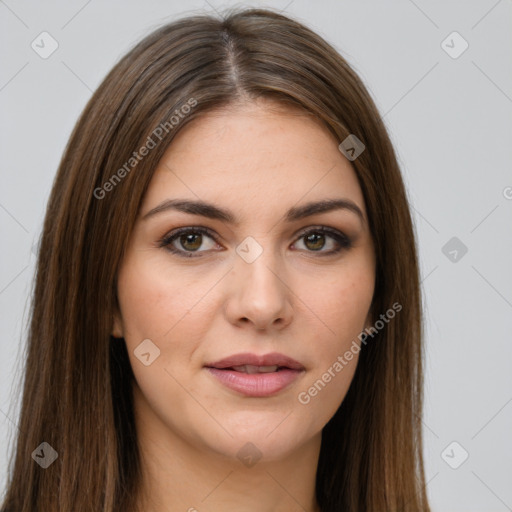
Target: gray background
point(451, 122)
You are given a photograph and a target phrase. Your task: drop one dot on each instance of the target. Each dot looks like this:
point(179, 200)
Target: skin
point(256, 159)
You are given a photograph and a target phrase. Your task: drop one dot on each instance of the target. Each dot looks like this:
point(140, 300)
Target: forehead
point(253, 155)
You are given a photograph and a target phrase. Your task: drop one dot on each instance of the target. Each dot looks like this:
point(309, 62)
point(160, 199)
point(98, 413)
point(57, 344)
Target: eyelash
point(343, 241)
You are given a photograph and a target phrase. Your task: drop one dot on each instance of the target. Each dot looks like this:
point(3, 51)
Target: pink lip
point(256, 384)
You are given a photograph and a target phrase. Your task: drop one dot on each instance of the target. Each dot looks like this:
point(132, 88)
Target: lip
point(256, 384)
point(271, 359)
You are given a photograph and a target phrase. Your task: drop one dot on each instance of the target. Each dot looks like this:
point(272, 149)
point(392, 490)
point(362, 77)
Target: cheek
point(171, 309)
point(342, 307)
point(154, 301)
point(156, 306)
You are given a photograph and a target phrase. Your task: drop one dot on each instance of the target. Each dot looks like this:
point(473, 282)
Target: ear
point(369, 321)
point(117, 325)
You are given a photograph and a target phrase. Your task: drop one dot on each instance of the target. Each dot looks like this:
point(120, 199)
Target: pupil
point(314, 241)
point(315, 237)
point(190, 238)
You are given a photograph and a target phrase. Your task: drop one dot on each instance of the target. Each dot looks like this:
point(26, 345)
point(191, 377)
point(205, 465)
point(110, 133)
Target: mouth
point(251, 369)
point(256, 376)
point(253, 363)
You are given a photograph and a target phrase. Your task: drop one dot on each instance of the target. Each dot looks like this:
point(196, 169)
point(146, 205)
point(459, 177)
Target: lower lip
point(256, 384)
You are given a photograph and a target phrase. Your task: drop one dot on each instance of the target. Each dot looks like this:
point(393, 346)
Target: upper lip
point(273, 359)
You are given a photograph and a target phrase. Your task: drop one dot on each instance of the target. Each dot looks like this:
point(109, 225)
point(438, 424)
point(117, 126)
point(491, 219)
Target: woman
point(227, 313)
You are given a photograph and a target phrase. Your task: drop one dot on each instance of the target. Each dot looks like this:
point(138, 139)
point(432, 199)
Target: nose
point(259, 295)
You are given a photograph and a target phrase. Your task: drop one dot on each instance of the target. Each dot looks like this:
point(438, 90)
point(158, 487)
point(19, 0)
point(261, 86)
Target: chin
point(268, 439)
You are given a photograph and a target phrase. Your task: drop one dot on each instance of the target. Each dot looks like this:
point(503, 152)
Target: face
point(209, 296)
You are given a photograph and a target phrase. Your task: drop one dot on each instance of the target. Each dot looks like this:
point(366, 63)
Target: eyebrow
point(295, 213)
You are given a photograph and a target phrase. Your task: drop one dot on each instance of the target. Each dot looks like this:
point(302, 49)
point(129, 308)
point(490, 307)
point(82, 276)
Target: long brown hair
point(77, 383)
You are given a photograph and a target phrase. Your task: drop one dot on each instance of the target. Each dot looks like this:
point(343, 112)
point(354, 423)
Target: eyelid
point(322, 229)
point(343, 240)
point(168, 238)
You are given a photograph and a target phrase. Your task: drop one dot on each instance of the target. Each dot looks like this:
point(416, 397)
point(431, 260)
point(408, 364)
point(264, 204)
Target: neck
point(179, 475)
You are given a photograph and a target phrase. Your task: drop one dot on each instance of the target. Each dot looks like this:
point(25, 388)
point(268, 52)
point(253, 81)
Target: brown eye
point(314, 241)
point(187, 241)
point(191, 242)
